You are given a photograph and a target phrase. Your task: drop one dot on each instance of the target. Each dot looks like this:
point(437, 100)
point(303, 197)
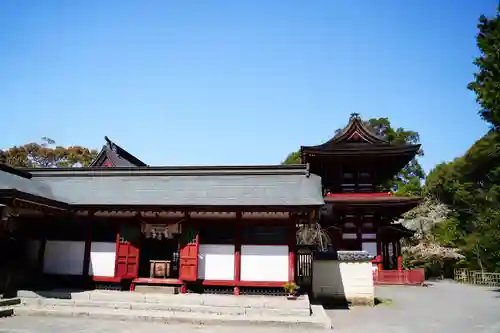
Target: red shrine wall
point(236, 253)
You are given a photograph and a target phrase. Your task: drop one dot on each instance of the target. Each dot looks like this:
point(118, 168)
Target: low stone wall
point(349, 278)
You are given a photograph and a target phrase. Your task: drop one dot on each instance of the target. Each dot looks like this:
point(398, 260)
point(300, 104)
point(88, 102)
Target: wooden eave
point(16, 198)
point(191, 209)
point(361, 149)
point(372, 200)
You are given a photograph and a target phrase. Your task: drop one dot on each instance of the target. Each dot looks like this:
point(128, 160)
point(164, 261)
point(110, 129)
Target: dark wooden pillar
point(41, 253)
point(86, 253)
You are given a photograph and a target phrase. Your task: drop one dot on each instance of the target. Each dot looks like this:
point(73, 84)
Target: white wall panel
point(63, 257)
point(264, 263)
point(216, 262)
point(102, 258)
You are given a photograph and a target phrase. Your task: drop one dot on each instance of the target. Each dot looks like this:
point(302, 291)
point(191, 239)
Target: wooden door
point(189, 254)
point(127, 252)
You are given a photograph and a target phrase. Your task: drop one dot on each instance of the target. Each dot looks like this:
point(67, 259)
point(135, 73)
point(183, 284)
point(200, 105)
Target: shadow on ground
point(330, 303)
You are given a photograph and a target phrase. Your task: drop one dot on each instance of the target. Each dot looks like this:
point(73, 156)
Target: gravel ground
point(442, 307)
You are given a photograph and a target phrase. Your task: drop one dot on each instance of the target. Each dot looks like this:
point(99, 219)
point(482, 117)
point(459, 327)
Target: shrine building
point(215, 228)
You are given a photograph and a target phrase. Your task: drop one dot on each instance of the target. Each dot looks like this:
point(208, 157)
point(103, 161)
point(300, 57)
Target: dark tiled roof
point(14, 180)
point(185, 186)
point(356, 138)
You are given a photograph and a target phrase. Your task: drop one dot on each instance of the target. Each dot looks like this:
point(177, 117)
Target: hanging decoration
point(160, 231)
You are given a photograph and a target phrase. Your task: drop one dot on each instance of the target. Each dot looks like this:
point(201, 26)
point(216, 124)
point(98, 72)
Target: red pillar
point(398, 253)
point(237, 254)
point(380, 265)
point(291, 250)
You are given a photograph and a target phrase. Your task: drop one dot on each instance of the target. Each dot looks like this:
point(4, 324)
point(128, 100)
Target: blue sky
point(236, 82)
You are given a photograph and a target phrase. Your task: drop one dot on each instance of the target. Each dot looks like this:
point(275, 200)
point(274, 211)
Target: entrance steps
point(157, 289)
point(6, 306)
point(175, 309)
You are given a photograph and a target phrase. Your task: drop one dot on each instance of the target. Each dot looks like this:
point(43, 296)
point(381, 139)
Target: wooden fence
point(476, 277)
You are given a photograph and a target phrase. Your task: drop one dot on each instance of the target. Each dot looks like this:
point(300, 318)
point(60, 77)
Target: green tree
point(292, 158)
point(470, 186)
point(408, 180)
point(487, 80)
point(47, 155)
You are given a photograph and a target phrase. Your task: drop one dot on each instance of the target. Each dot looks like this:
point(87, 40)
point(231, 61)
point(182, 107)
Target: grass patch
point(383, 301)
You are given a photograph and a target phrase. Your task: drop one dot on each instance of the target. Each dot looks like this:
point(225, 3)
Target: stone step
point(6, 306)
point(265, 302)
point(171, 317)
point(165, 306)
point(10, 301)
point(157, 289)
point(6, 311)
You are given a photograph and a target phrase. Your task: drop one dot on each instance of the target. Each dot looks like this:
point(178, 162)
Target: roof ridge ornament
point(111, 144)
point(355, 115)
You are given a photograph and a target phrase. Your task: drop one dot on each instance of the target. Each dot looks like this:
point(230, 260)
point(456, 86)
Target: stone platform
point(175, 309)
point(6, 306)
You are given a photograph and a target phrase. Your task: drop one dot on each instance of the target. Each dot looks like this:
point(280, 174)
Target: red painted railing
point(403, 277)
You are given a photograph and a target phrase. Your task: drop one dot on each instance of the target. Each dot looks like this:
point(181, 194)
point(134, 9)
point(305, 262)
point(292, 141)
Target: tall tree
point(408, 180)
point(47, 155)
point(487, 80)
point(470, 186)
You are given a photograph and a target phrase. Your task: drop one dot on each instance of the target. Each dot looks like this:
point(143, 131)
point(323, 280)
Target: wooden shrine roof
point(16, 184)
point(116, 156)
point(264, 186)
point(357, 138)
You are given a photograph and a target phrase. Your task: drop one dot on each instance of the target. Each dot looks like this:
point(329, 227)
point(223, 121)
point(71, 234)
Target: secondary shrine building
point(228, 228)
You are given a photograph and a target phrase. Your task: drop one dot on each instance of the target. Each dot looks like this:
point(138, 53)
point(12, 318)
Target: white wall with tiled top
point(352, 280)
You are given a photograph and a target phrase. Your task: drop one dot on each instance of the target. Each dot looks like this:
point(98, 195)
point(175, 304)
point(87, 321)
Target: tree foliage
point(424, 245)
point(487, 80)
point(292, 158)
point(47, 155)
point(470, 186)
point(408, 180)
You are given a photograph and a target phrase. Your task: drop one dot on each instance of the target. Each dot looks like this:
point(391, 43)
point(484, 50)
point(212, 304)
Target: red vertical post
point(400, 263)
point(292, 241)
point(237, 253)
point(398, 253)
point(380, 250)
